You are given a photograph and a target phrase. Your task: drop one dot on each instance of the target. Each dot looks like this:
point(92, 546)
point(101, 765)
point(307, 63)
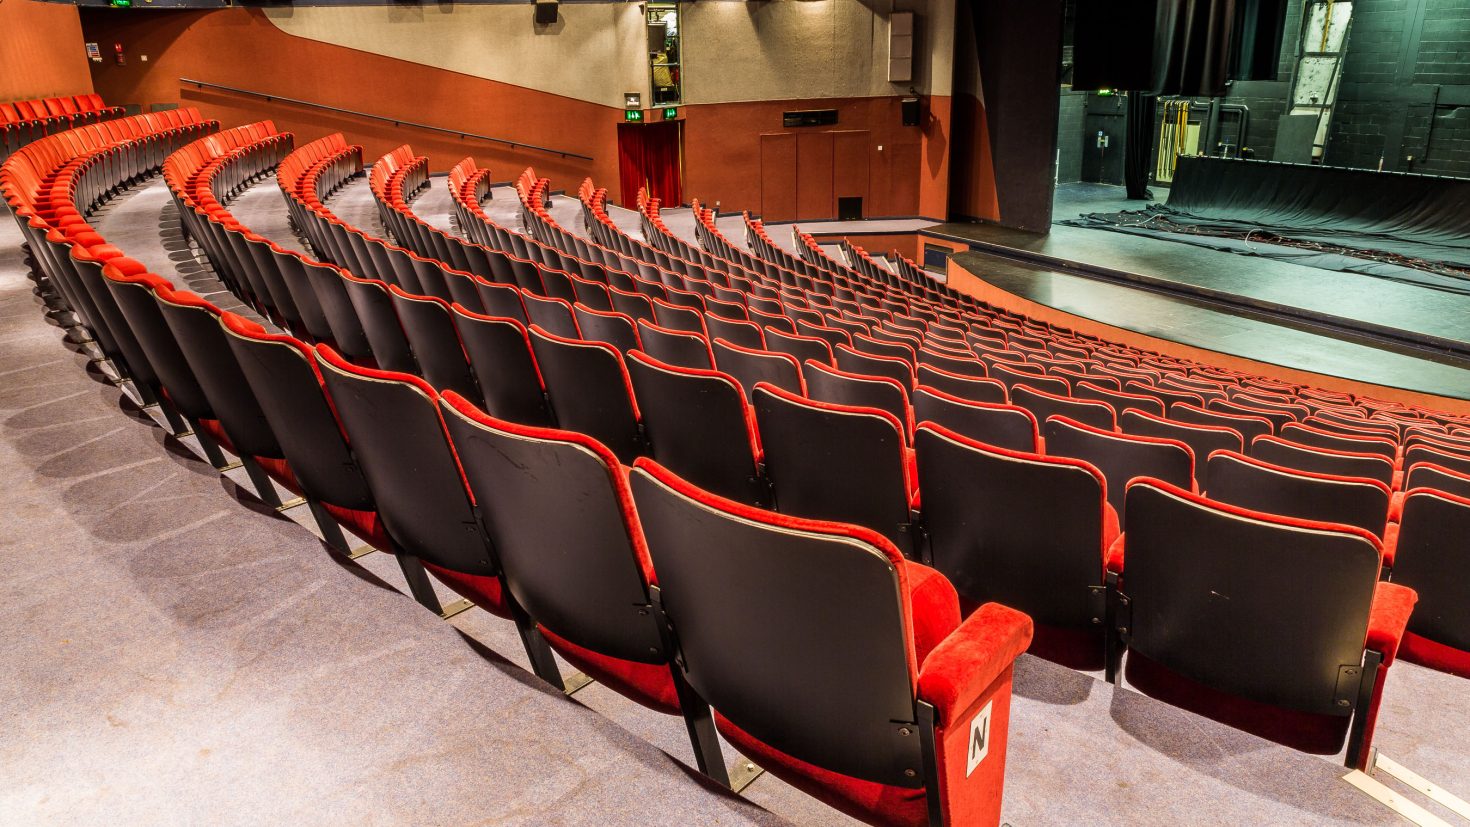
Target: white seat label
point(979, 738)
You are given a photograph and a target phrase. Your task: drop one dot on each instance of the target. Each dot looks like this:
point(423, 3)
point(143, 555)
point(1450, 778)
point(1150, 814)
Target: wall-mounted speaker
point(910, 107)
point(546, 12)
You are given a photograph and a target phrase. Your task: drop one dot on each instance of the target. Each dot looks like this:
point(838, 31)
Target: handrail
point(395, 121)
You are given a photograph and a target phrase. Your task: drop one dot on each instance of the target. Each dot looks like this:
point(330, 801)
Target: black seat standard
point(499, 350)
point(590, 392)
point(750, 367)
point(1120, 457)
point(1022, 529)
point(826, 686)
point(557, 508)
point(1209, 589)
point(1434, 560)
point(837, 462)
point(699, 425)
point(1004, 426)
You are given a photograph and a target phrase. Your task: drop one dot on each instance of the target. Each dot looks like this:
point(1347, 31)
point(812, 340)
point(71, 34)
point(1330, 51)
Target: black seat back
point(582, 578)
point(867, 364)
point(697, 425)
point(1185, 552)
point(1433, 559)
point(1249, 427)
point(390, 348)
point(1253, 483)
point(1017, 528)
point(1046, 405)
point(1203, 440)
point(1001, 425)
point(821, 670)
point(436, 346)
point(499, 350)
point(404, 452)
point(1290, 454)
point(674, 347)
point(835, 462)
point(589, 389)
point(1120, 457)
point(610, 326)
point(283, 378)
point(839, 387)
point(552, 315)
point(969, 388)
point(804, 348)
point(134, 297)
point(750, 367)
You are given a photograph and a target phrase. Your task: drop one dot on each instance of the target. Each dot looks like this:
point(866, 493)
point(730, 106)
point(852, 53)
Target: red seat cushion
point(1426, 652)
point(484, 592)
point(649, 684)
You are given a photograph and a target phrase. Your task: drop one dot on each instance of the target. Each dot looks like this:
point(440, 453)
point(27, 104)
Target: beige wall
point(733, 51)
point(802, 49)
point(594, 53)
point(41, 51)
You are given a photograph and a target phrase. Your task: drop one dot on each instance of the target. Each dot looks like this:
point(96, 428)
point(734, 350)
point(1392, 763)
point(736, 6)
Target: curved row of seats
point(923, 434)
point(27, 121)
point(480, 502)
point(740, 474)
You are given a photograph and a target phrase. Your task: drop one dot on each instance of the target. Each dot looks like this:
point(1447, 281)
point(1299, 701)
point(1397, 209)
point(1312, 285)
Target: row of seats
point(699, 435)
point(1131, 658)
point(27, 121)
point(481, 503)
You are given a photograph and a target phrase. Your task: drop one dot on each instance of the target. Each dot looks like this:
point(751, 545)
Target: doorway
point(651, 156)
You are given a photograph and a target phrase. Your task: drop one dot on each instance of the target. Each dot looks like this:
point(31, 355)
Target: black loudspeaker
point(546, 12)
point(910, 111)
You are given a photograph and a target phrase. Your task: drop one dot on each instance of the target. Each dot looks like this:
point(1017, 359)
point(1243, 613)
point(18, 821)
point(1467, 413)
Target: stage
point(1408, 334)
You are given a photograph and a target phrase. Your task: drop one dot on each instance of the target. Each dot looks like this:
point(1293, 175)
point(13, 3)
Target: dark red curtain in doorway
point(649, 155)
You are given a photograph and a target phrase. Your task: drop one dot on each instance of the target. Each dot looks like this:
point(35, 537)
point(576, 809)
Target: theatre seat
point(850, 675)
point(1005, 426)
point(398, 437)
point(699, 425)
point(841, 387)
point(1434, 560)
point(838, 462)
point(752, 366)
point(557, 508)
point(589, 389)
point(1214, 617)
point(1120, 457)
point(1022, 529)
point(969, 388)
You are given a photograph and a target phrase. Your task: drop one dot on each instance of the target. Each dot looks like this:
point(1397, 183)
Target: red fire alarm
point(122, 59)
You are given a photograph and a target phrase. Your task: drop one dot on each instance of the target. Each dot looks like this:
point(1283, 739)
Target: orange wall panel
point(41, 51)
point(777, 165)
point(814, 176)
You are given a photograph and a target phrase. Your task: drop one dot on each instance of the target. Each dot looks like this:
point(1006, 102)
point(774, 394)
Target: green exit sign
point(671, 112)
point(633, 115)
point(121, 4)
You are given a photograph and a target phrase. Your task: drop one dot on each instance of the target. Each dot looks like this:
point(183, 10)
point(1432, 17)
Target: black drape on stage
point(1175, 47)
point(1138, 144)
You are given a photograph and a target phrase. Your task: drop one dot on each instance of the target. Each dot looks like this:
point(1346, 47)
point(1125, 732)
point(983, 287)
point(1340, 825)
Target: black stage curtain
point(1175, 47)
point(1385, 215)
point(1138, 144)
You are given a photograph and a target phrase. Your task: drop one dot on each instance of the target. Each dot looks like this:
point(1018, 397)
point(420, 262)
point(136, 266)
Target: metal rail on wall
point(201, 84)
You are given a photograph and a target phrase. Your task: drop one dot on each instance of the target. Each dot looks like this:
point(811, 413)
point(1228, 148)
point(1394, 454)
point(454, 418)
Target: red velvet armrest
point(1389, 617)
point(1390, 544)
point(1114, 561)
point(964, 666)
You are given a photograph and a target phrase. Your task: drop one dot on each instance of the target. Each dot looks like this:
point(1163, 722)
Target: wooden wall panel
point(778, 176)
point(814, 176)
point(41, 51)
point(851, 150)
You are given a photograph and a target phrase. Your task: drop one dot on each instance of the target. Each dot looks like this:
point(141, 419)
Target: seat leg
point(419, 584)
point(332, 533)
point(700, 724)
point(1112, 635)
point(543, 663)
point(261, 482)
point(176, 423)
point(1358, 750)
point(211, 448)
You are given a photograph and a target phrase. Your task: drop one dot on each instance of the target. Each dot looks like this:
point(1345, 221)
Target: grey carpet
point(435, 205)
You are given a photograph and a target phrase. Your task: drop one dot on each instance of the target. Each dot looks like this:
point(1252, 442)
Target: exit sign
point(671, 112)
point(633, 115)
